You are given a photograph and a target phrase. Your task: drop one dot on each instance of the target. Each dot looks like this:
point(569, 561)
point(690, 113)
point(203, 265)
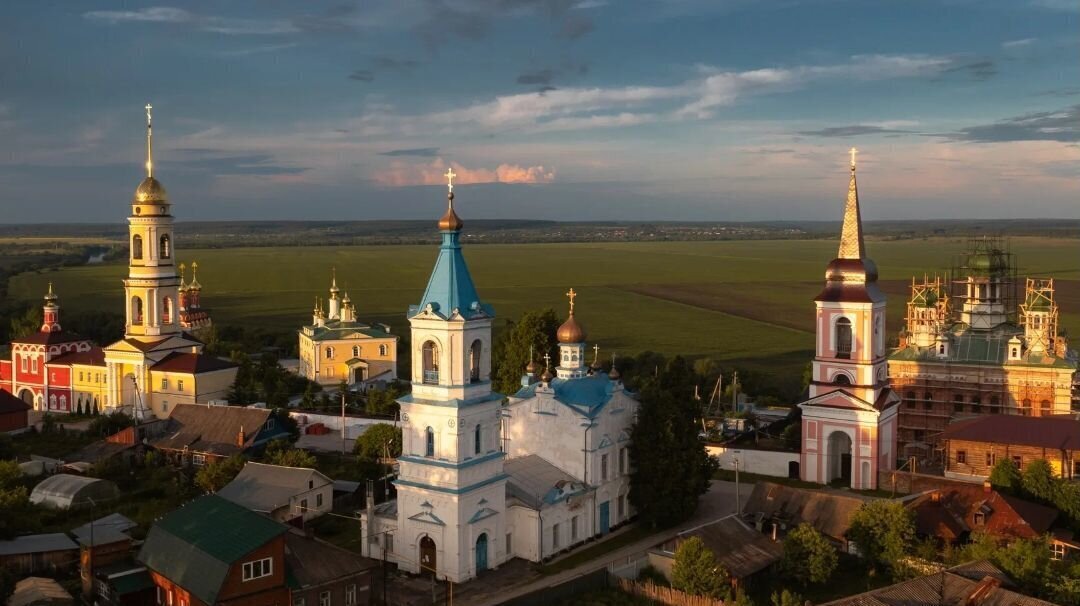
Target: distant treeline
point(227, 234)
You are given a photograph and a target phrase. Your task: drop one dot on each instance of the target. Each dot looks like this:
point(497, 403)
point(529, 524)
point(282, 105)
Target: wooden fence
point(665, 595)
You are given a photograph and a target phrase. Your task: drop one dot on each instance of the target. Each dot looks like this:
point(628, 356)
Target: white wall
point(354, 426)
point(764, 462)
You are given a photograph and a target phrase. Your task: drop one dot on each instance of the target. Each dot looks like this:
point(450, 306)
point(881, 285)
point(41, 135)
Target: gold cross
point(596, 352)
point(853, 152)
point(571, 295)
point(450, 179)
point(547, 361)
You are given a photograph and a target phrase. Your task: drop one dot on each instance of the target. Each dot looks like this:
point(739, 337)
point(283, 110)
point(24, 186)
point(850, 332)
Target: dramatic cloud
point(422, 152)
point(1062, 125)
point(400, 175)
point(851, 130)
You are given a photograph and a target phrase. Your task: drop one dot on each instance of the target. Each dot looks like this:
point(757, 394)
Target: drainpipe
point(540, 518)
point(585, 472)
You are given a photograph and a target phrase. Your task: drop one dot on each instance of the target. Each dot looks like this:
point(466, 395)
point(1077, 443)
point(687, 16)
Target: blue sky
point(552, 109)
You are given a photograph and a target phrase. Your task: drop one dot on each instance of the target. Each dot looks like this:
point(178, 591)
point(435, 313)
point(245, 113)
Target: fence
point(555, 594)
point(665, 595)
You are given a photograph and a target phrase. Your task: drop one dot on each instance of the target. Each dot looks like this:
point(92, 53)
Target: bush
point(379, 440)
point(883, 531)
point(697, 572)
point(808, 556)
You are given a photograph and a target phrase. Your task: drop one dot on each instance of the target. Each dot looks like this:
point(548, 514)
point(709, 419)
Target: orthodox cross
point(450, 179)
point(182, 272)
point(547, 361)
point(853, 152)
point(194, 267)
point(571, 295)
point(596, 353)
point(149, 143)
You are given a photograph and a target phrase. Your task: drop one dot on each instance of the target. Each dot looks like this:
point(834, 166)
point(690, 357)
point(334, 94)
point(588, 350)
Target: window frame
point(248, 569)
point(325, 599)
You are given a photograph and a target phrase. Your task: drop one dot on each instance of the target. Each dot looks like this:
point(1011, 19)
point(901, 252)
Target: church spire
point(450, 221)
point(851, 238)
point(149, 142)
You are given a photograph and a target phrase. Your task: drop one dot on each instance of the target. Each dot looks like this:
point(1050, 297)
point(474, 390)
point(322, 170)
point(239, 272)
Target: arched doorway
point(793, 470)
point(839, 458)
point(127, 393)
point(27, 396)
point(428, 563)
point(481, 553)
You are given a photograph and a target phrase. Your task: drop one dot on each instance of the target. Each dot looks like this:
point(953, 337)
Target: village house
point(38, 553)
point(14, 413)
point(197, 434)
point(775, 508)
point(743, 551)
point(972, 584)
point(974, 446)
point(283, 493)
point(38, 591)
point(212, 551)
point(953, 514)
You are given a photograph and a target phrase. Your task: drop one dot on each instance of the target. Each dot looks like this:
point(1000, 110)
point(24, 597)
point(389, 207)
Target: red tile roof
point(95, 356)
point(49, 338)
point(1059, 433)
point(191, 363)
point(948, 513)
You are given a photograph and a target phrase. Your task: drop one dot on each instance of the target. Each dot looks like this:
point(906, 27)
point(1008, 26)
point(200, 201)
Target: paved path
point(717, 503)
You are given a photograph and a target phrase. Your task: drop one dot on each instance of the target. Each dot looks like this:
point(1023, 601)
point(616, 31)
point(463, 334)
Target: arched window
point(429, 442)
point(166, 310)
point(841, 379)
point(1045, 408)
point(477, 439)
point(165, 248)
point(382, 350)
point(474, 362)
point(1025, 407)
point(63, 402)
point(329, 353)
point(136, 311)
point(430, 357)
point(52, 402)
point(136, 247)
point(843, 338)
point(356, 351)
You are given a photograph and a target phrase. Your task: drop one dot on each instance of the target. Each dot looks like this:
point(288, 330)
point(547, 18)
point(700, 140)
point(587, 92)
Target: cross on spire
point(547, 361)
point(596, 353)
point(450, 174)
point(853, 152)
point(149, 142)
point(571, 295)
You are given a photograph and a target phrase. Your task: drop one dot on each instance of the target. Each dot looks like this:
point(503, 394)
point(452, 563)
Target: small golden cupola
point(571, 337)
point(450, 221)
point(571, 331)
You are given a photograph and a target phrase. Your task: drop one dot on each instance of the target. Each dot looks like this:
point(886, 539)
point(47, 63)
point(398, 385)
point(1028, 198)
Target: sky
point(719, 110)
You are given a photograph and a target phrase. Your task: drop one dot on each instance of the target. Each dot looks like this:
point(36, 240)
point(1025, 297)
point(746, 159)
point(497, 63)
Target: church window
point(136, 311)
point(80, 376)
point(477, 439)
point(910, 397)
point(841, 379)
point(1044, 408)
point(958, 403)
point(136, 247)
point(603, 468)
point(961, 456)
point(329, 353)
point(166, 310)
point(1018, 461)
point(554, 536)
point(429, 442)
point(622, 507)
point(474, 362)
point(63, 402)
point(34, 365)
point(843, 338)
point(165, 249)
point(180, 384)
point(1025, 407)
point(991, 459)
point(622, 461)
point(928, 400)
point(164, 383)
point(52, 402)
point(430, 357)
point(22, 362)
point(382, 350)
point(574, 528)
point(356, 351)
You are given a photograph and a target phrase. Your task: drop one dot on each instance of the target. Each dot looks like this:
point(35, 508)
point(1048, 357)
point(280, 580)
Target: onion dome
point(450, 221)
point(614, 374)
point(150, 191)
point(571, 331)
point(346, 300)
point(51, 297)
point(596, 365)
point(531, 367)
point(547, 376)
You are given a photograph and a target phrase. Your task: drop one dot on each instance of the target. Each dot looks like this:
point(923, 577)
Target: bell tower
point(451, 503)
point(151, 290)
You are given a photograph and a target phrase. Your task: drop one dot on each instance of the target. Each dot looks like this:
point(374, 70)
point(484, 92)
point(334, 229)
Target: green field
point(748, 302)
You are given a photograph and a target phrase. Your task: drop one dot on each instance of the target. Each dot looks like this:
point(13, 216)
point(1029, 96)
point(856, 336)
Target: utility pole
point(738, 500)
point(343, 388)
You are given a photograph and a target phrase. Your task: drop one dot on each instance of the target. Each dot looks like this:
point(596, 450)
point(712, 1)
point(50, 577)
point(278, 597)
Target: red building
point(29, 376)
point(14, 413)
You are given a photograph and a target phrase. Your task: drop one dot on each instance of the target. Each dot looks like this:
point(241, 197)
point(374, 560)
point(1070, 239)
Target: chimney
point(987, 486)
point(981, 591)
point(370, 497)
point(241, 437)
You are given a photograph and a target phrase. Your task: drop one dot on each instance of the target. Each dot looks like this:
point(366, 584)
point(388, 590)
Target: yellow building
point(337, 347)
point(157, 365)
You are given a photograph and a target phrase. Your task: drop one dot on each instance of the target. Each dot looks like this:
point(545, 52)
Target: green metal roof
point(195, 545)
point(969, 346)
point(335, 330)
point(130, 583)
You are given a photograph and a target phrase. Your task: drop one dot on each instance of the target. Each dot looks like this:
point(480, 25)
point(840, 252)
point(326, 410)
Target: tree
point(280, 453)
point(26, 324)
point(1038, 481)
point(882, 531)
point(214, 476)
point(697, 572)
point(786, 598)
point(381, 439)
point(535, 331)
point(10, 474)
point(671, 467)
point(792, 436)
point(808, 556)
point(1005, 476)
point(308, 401)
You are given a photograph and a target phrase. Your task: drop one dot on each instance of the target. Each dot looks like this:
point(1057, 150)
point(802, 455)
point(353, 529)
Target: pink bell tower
point(50, 312)
point(849, 420)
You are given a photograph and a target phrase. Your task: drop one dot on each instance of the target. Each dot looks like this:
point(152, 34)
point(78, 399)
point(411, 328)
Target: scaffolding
point(928, 311)
point(984, 282)
point(1039, 316)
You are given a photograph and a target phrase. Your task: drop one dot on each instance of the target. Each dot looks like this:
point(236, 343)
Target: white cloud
point(1018, 43)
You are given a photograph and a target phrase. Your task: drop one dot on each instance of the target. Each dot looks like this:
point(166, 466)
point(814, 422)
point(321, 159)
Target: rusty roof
point(742, 550)
point(1059, 433)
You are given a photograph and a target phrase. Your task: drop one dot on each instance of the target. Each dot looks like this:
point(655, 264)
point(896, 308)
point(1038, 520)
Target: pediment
point(838, 399)
point(427, 517)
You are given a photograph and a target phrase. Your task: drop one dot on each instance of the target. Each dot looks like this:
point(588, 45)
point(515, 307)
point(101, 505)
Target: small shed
point(67, 491)
point(38, 591)
point(14, 413)
point(38, 553)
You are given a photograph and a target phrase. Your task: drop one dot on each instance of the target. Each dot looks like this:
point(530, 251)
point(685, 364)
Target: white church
point(482, 481)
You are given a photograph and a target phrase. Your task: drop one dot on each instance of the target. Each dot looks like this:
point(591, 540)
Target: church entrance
point(127, 393)
point(839, 464)
point(360, 374)
point(481, 553)
point(427, 555)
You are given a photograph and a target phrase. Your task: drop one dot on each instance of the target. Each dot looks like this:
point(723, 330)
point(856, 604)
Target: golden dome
point(150, 191)
point(531, 368)
point(571, 331)
point(450, 221)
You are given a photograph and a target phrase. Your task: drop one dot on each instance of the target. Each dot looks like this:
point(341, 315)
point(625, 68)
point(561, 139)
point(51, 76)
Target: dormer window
point(980, 518)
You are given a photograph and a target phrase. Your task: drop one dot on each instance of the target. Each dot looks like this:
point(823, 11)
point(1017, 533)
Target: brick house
point(974, 446)
point(953, 514)
point(212, 551)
